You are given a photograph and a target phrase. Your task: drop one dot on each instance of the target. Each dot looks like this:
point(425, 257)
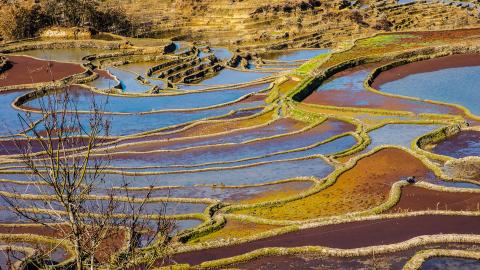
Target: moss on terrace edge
point(313, 73)
point(286, 95)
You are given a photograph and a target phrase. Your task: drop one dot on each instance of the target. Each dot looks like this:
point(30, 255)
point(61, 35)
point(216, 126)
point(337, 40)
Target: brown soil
point(451, 61)
point(418, 199)
point(364, 186)
point(27, 70)
point(347, 236)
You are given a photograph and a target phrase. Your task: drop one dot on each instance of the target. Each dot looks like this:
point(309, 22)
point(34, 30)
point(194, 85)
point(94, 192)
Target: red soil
point(347, 236)
point(394, 260)
point(253, 98)
point(27, 70)
point(418, 199)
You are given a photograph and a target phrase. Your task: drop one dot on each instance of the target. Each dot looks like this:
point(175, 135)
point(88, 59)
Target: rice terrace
point(240, 134)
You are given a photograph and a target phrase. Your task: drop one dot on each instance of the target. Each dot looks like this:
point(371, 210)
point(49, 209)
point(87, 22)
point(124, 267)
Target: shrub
point(383, 24)
point(18, 21)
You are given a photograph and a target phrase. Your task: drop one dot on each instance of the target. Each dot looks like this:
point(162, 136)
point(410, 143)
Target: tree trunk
point(78, 251)
point(76, 239)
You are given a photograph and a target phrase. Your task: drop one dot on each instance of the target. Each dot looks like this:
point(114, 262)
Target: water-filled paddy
point(104, 81)
point(83, 100)
point(141, 68)
point(294, 55)
point(234, 152)
point(451, 263)
point(201, 145)
point(10, 123)
point(222, 193)
point(231, 76)
point(55, 254)
point(333, 147)
point(62, 55)
point(365, 186)
point(129, 81)
point(274, 128)
point(460, 145)
point(220, 53)
point(137, 123)
point(263, 173)
point(398, 134)
point(458, 85)
point(346, 89)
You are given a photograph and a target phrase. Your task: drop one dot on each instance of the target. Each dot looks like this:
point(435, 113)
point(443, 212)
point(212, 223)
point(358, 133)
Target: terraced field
point(353, 157)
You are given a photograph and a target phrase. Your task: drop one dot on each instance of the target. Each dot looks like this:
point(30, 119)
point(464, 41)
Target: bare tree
point(73, 196)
